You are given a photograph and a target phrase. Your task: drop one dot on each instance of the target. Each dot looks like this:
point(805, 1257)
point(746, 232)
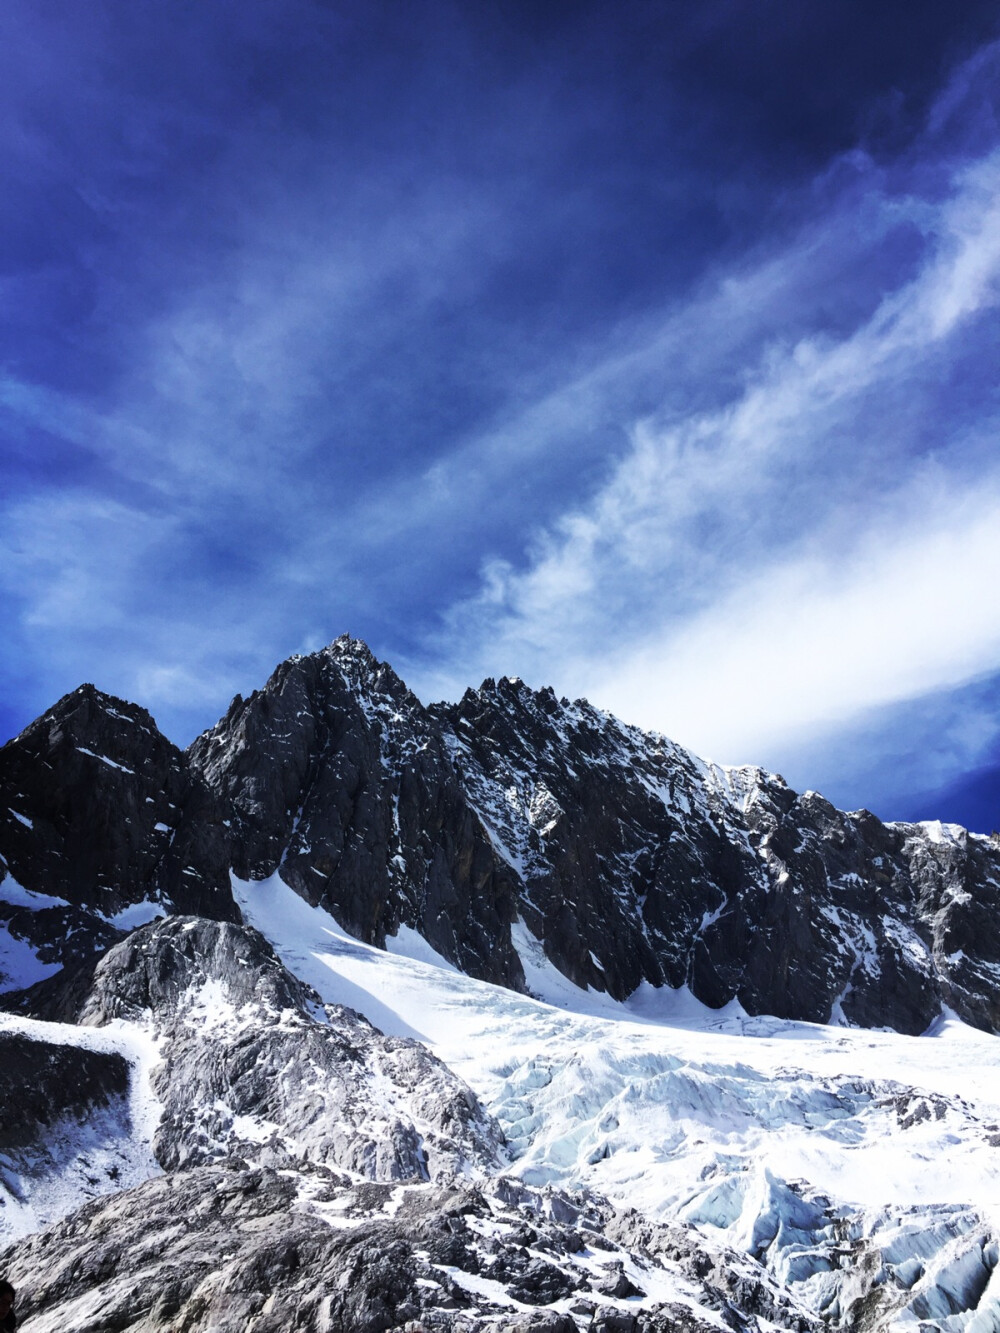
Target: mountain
point(362, 1014)
point(629, 859)
point(336, 774)
point(272, 1161)
point(103, 824)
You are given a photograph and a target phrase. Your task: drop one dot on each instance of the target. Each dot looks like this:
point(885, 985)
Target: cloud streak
point(824, 542)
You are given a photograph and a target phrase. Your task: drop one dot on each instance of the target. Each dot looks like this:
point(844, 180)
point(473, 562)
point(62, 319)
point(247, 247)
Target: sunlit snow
point(755, 1129)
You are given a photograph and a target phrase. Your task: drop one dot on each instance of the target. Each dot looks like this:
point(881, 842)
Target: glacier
point(821, 1152)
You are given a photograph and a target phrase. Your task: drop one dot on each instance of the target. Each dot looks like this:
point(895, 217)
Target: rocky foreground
point(307, 1172)
point(312, 1174)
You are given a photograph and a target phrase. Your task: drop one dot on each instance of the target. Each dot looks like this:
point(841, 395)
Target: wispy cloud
point(810, 643)
point(824, 541)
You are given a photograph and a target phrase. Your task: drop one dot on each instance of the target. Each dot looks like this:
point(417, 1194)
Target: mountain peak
point(626, 858)
point(346, 645)
point(100, 812)
point(86, 709)
point(355, 664)
point(360, 667)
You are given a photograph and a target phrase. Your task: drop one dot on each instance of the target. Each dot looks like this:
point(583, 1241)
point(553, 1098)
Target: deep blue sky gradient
point(324, 317)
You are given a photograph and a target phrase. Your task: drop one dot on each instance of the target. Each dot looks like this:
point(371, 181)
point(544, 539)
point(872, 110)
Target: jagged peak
point(346, 663)
point(352, 656)
point(514, 688)
point(87, 699)
point(355, 659)
point(367, 675)
point(347, 646)
point(505, 691)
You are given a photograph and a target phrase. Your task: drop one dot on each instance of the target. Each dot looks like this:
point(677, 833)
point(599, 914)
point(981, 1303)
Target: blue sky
point(646, 350)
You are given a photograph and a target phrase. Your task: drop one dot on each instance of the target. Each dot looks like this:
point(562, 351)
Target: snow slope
point(20, 964)
point(87, 1153)
point(812, 1148)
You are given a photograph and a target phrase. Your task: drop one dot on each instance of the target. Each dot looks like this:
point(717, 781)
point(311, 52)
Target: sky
point(649, 351)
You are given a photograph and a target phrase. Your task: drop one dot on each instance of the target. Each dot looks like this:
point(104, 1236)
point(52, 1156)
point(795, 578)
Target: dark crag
point(628, 858)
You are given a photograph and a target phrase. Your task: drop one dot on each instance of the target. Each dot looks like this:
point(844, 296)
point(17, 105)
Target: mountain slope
point(673, 1169)
point(627, 857)
point(858, 1170)
point(589, 1100)
point(335, 773)
point(103, 825)
point(306, 1171)
point(251, 1065)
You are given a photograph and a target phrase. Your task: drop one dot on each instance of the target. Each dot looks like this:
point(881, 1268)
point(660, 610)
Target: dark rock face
point(229, 1249)
point(640, 862)
point(643, 863)
point(52, 935)
point(253, 1065)
point(65, 1129)
point(336, 773)
point(627, 857)
point(100, 811)
point(41, 1084)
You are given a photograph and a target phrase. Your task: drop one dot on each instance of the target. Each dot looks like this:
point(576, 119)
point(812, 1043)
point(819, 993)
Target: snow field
point(791, 1141)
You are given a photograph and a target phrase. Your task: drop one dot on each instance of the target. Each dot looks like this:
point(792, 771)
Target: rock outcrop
point(227, 1249)
point(100, 814)
point(253, 1066)
point(42, 1084)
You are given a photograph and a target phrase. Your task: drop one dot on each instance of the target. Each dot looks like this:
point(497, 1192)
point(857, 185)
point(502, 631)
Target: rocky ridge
point(630, 859)
point(251, 1064)
point(255, 1158)
point(626, 856)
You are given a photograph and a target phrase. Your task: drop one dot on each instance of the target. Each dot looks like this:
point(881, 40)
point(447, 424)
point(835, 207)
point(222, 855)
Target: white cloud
point(813, 642)
point(826, 542)
point(782, 462)
point(75, 557)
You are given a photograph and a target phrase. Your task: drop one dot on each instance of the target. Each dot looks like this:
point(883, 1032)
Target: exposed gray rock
point(321, 1176)
point(54, 936)
point(253, 1065)
point(626, 856)
point(232, 1249)
point(729, 1281)
point(639, 862)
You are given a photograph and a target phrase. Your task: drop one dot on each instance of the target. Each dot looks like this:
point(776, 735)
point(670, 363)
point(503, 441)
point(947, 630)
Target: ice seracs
point(853, 1166)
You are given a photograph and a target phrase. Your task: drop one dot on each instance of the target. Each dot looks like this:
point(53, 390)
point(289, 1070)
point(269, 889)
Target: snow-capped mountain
point(628, 858)
point(362, 1014)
